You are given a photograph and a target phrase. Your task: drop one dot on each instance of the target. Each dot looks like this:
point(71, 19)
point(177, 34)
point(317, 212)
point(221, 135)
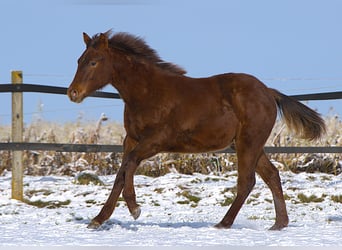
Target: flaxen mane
point(137, 47)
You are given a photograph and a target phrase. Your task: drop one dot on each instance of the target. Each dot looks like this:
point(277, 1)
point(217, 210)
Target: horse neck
point(135, 80)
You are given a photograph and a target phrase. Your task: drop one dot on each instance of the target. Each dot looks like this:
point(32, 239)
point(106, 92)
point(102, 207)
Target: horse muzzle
point(75, 95)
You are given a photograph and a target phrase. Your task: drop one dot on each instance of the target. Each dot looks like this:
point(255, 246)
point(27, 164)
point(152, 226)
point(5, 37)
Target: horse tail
point(307, 123)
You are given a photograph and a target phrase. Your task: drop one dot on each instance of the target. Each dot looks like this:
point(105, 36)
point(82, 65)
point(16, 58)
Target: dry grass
point(105, 132)
point(326, 163)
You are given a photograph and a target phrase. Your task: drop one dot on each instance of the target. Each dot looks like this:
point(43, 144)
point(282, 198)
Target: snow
point(168, 216)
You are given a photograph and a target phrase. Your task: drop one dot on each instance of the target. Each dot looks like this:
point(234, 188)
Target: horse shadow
point(135, 225)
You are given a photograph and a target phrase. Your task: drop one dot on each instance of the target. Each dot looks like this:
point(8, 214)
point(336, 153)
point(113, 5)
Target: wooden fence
point(17, 145)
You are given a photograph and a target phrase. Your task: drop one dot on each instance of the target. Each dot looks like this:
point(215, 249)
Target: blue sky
point(294, 46)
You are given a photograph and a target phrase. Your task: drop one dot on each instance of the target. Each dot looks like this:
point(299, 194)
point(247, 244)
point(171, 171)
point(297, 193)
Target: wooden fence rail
point(36, 88)
point(63, 147)
point(17, 146)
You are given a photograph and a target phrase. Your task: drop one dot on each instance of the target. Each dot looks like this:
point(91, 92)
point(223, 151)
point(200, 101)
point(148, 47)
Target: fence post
point(17, 136)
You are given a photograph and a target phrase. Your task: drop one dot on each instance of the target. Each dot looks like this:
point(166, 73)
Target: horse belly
point(215, 133)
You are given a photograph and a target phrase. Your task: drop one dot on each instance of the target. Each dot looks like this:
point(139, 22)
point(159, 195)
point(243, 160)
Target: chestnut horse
point(166, 111)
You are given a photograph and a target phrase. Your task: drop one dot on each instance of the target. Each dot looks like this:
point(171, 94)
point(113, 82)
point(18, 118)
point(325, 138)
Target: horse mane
point(137, 47)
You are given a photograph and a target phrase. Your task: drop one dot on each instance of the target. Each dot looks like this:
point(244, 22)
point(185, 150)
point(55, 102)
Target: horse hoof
point(136, 213)
point(94, 225)
point(221, 226)
point(277, 227)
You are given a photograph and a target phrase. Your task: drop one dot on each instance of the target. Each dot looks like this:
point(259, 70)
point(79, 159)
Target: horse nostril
point(74, 93)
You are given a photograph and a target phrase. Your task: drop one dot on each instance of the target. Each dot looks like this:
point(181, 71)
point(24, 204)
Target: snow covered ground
point(177, 210)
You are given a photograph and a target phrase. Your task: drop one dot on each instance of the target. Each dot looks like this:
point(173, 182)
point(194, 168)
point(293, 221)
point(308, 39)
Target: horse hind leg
point(243, 191)
point(247, 158)
point(270, 175)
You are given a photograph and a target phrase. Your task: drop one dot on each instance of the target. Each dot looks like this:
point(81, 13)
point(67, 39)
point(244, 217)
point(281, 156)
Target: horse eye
point(93, 63)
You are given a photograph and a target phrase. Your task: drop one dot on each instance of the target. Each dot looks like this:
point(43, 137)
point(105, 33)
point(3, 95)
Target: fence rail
point(35, 88)
point(64, 147)
point(17, 145)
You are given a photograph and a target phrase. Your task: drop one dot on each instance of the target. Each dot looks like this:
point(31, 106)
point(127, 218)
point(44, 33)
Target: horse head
point(94, 68)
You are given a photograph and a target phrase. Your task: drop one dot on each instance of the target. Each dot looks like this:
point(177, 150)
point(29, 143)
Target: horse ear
point(86, 38)
point(103, 41)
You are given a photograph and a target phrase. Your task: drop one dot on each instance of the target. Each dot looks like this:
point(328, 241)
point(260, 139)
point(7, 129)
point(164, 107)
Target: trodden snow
point(177, 210)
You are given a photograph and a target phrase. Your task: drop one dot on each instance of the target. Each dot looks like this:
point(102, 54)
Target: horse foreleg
point(110, 204)
point(129, 192)
point(142, 151)
point(124, 175)
point(270, 174)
